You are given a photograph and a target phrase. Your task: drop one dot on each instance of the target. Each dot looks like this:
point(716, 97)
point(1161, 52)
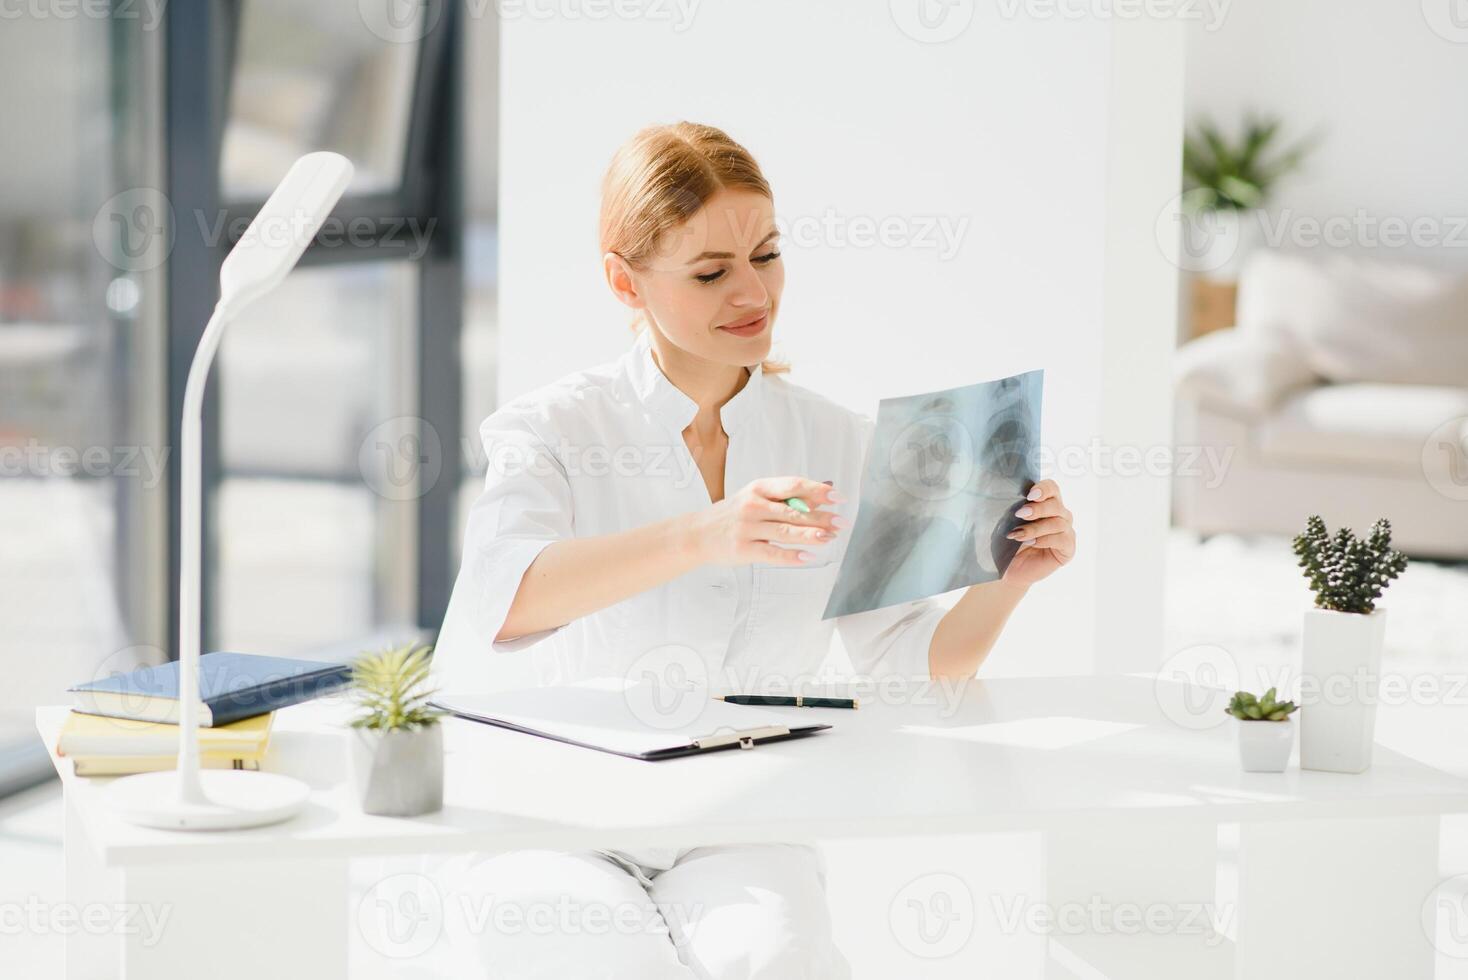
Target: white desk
point(1333, 871)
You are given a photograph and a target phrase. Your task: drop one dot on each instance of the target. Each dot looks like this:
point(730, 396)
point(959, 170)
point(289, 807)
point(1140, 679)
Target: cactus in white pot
point(397, 742)
point(1266, 733)
point(1340, 671)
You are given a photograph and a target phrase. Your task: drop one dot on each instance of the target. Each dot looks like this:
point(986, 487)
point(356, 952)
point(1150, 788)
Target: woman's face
point(713, 285)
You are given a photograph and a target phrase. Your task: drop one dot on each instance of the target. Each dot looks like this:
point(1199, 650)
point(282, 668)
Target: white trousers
point(735, 912)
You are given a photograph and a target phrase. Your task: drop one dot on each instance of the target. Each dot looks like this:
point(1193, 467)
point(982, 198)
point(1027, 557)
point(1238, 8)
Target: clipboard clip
point(745, 738)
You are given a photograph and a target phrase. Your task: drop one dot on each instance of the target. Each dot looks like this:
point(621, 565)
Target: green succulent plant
point(392, 689)
point(1221, 175)
point(1346, 573)
point(1247, 707)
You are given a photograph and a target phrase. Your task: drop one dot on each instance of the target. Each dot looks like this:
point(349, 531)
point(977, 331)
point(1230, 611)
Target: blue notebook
point(233, 686)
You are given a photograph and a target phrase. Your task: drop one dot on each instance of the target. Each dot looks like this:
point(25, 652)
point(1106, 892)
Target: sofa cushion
point(1371, 425)
point(1359, 319)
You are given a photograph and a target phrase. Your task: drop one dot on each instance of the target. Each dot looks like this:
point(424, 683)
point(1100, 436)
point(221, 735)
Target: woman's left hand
point(1047, 538)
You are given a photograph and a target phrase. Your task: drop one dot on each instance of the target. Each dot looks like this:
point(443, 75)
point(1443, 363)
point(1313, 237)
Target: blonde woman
point(638, 506)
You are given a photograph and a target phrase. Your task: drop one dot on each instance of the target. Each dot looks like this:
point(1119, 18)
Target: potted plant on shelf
point(1266, 733)
point(1341, 656)
point(397, 742)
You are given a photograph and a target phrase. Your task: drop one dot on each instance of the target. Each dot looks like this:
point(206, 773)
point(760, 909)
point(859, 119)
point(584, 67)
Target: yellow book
point(98, 735)
point(126, 765)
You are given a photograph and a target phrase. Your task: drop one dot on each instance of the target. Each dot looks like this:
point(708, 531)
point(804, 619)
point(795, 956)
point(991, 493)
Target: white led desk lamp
point(219, 799)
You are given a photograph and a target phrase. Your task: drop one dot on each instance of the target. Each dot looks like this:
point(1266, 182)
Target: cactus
point(1246, 707)
point(391, 688)
point(1346, 573)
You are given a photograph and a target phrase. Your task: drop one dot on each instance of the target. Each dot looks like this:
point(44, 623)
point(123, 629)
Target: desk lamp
point(218, 799)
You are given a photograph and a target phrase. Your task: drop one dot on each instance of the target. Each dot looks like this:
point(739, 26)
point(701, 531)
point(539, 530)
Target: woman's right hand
point(755, 524)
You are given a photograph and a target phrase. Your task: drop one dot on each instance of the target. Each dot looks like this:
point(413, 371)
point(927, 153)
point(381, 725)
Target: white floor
point(1243, 598)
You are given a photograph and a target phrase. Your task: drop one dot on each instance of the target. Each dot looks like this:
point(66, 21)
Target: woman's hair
point(660, 178)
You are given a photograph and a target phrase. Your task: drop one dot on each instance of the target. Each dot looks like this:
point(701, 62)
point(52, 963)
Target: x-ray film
point(943, 476)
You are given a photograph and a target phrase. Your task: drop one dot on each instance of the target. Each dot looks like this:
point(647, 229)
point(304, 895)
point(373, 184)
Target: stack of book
point(129, 723)
point(102, 746)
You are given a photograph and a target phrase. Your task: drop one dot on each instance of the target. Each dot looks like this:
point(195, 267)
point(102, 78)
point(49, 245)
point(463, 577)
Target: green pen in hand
point(798, 504)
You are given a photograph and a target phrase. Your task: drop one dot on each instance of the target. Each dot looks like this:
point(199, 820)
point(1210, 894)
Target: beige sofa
point(1343, 391)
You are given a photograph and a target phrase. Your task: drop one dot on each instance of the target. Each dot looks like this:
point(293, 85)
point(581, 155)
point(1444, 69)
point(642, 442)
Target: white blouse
point(602, 451)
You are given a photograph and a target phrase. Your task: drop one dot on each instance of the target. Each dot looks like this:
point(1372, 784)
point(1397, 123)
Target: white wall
point(1007, 131)
point(1382, 80)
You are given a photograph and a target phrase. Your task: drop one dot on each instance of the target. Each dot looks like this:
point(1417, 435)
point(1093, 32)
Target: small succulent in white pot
point(397, 742)
point(1266, 733)
point(1340, 664)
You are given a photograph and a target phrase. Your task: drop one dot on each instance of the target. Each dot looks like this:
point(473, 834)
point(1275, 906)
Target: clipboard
point(631, 721)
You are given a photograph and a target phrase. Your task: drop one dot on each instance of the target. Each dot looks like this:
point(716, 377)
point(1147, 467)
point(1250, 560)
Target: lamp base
point(234, 799)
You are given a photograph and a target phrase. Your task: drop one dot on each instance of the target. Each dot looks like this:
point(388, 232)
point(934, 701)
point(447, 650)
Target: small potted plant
point(1228, 182)
point(397, 742)
point(1341, 657)
point(1265, 746)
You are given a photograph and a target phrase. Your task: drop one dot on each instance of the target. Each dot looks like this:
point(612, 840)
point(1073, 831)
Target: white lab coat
point(602, 451)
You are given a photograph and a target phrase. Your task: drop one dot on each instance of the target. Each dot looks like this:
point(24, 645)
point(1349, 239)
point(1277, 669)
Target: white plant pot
point(398, 773)
point(1340, 676)
point(1215, 243)
point(1264, 746)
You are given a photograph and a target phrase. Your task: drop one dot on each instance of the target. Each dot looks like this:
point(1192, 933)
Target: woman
point(637, 508)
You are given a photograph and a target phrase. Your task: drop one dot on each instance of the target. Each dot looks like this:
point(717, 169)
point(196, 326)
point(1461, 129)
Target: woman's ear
point(621, 280)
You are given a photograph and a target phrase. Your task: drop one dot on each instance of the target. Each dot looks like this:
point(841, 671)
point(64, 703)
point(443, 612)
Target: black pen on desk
point(783, 701)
